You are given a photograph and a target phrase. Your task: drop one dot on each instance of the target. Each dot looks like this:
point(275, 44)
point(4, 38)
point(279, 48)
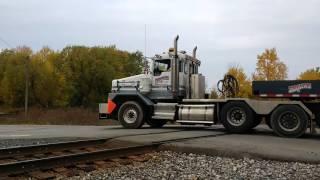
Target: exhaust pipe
point(175, 43)
point(194, 52)
point(175, 70)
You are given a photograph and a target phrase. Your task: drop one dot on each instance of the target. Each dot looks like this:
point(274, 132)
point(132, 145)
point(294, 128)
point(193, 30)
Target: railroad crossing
point(260, 143)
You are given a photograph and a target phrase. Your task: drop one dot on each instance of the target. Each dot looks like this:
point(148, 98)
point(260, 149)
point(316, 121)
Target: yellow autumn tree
point(243, 81)
point(310, 74)
point(269, 67)
point(214, 94)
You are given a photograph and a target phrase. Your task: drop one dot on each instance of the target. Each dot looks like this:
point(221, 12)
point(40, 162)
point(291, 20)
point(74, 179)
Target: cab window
point(161, 66)
point(181, 66)
point(195, 69)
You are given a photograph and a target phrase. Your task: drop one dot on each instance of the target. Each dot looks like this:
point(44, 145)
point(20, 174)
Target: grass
point(58, 116)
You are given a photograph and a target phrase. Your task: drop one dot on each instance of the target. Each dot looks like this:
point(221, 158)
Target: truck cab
point(187, 77)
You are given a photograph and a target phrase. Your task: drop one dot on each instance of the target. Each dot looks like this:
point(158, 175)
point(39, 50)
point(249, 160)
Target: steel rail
point(33, 149)
point(60, 146)
point(24, 166)
point(72, 159)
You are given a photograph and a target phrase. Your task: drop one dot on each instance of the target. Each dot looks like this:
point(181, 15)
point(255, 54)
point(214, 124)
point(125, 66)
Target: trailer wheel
point(156, 123)
point(237, 117)
point(131, 115)
point(289, 121)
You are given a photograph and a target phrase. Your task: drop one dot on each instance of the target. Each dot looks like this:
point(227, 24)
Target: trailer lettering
point(299, 87)
point(162, 80)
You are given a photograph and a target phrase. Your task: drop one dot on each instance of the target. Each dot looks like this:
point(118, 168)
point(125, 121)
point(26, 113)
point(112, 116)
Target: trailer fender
point(266, 107)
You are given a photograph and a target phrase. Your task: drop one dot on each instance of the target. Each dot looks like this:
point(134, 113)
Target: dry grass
point(59, 116)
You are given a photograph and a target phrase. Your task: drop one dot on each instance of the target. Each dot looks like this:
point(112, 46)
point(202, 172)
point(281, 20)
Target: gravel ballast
point(172, 165)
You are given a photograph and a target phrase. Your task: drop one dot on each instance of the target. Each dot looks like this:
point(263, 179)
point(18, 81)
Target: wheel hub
point(130, 115)
point(289, 121)
point(236, 116)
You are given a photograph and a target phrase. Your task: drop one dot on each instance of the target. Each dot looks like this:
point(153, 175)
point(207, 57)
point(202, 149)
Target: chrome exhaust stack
point(175, 70)
point(194, 52)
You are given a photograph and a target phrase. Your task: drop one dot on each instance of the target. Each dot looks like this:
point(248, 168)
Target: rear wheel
point(156, 123)
point(237, 117)
point(131, 115)
point(318, 118)
point(289, 121)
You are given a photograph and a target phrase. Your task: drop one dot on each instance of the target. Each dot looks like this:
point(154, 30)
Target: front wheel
point(289, 121)
point(131, 115)
point(237, 117)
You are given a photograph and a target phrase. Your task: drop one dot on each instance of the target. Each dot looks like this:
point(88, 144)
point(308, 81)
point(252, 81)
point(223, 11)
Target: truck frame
point(174, 91)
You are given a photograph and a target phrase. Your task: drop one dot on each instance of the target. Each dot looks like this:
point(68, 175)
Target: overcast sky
point(226, 32)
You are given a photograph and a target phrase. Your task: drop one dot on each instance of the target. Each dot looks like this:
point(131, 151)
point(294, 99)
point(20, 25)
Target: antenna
point(145, 41)
point(146, 68)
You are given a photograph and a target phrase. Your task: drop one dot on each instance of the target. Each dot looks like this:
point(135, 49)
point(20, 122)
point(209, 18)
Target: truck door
point(162, 73)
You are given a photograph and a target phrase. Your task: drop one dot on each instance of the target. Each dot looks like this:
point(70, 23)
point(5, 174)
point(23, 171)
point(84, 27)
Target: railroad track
point(70, 158)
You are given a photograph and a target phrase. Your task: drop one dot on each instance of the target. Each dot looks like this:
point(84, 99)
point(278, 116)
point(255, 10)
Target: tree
point(12, 87)
point(269, 66)
point(310, 74)
point(47, 85)
point(214, 94)
point(75, 76)
point(90, 70)
point(4, 56)
point(243, 81)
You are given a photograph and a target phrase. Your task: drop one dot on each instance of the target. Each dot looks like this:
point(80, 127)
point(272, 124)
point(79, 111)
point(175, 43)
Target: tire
point(318, 119)
point(289, 121)
point(131, 115)
point(156, 123)
point(237, 117)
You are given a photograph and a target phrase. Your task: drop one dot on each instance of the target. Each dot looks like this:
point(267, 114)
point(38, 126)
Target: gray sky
point(226, 32)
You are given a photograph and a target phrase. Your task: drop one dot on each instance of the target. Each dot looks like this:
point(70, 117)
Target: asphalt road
point(259, 143)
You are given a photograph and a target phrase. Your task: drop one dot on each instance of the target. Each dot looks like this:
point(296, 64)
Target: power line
point(6, 43)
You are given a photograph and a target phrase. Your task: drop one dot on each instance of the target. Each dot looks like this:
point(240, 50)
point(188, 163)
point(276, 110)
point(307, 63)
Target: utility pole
point(26, 98)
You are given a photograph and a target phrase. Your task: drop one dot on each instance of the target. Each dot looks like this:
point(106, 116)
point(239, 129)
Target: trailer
point(174, 91)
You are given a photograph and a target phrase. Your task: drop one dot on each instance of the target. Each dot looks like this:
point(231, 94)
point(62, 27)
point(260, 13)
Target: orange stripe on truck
point(111, 106)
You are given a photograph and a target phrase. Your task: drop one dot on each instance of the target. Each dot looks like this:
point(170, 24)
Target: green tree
point(4, 56)
point(13, 82)
point(269, 66)
point(89, 71)
point(47, 85)
point(75, 76)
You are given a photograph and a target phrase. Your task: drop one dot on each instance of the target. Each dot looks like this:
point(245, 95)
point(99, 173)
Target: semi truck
point(174, 91)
